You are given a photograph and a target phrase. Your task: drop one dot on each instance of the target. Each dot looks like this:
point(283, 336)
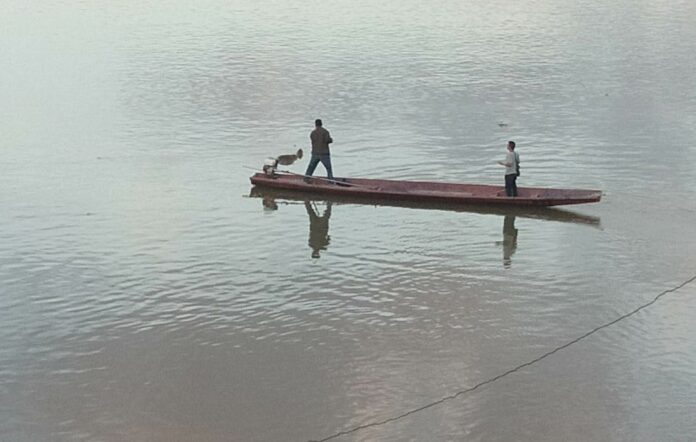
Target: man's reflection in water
point(509, 240)
point(318, 228)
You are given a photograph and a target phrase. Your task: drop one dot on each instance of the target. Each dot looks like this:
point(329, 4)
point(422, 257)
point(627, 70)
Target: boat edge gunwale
point(360, 188)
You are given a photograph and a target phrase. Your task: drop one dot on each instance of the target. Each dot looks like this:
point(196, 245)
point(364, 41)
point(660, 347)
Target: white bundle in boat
point(269, 166)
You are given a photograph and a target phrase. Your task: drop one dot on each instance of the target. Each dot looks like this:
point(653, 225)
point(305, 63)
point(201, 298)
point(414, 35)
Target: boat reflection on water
point(319, 224)
point(541, 213)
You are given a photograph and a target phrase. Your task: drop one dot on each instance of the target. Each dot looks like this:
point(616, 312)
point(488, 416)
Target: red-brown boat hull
point(430, 191)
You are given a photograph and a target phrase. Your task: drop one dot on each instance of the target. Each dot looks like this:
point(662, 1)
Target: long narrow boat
point(427, 191)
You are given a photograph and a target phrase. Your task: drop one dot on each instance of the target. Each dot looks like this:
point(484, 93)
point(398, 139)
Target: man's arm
point(506, 163)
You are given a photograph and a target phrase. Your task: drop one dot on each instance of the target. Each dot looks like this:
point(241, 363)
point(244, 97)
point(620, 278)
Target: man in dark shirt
point(320, 150)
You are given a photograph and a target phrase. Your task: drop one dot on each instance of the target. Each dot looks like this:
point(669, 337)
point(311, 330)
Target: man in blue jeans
point(320, 150)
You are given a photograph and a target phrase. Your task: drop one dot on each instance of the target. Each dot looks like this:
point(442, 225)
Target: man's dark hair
point(511, 144)
point(317, 122)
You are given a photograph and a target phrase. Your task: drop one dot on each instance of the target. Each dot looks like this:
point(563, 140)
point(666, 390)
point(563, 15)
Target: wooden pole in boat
point(340, 183)
point(335, 181)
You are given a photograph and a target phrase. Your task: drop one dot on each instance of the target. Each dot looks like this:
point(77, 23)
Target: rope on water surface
point(510, 371)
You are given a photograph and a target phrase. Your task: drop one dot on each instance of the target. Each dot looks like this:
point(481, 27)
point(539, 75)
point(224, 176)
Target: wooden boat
point(427, 191)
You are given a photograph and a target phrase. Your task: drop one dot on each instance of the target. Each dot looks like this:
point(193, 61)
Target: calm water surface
point(146, 294)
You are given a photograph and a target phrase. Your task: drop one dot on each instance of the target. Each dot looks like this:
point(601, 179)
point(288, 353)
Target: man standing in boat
point(320, 150)
point(512, 169)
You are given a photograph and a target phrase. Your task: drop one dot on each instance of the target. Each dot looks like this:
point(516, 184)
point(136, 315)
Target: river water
point(147, 294)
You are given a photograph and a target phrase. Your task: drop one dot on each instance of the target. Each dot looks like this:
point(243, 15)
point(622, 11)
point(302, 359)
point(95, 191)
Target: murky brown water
point(147, 294)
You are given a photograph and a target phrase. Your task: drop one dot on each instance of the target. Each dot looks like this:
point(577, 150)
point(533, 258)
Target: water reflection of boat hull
point(429, 191)
point(541, 213)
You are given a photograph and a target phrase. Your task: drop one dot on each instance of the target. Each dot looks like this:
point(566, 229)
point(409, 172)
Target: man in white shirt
point(511, 164)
